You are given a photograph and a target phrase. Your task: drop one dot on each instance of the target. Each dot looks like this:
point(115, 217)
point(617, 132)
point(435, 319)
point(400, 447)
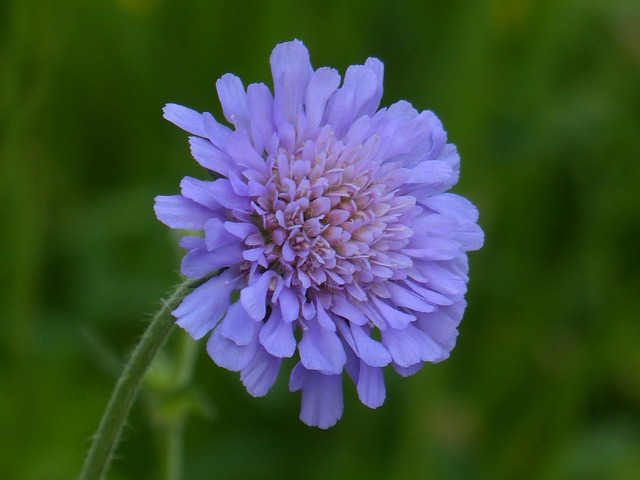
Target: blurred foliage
point(542, 99)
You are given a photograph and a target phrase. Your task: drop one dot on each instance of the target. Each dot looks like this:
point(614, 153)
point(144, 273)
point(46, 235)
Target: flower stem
point(106, 438)
point(172, 458)
point(172, 433)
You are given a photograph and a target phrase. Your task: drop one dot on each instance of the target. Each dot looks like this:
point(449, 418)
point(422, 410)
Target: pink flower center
point(329, 218)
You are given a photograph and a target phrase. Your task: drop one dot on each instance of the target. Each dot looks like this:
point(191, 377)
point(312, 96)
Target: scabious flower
point(327, 233)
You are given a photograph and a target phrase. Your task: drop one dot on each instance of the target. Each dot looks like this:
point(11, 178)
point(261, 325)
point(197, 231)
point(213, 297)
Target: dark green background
point(542, 99)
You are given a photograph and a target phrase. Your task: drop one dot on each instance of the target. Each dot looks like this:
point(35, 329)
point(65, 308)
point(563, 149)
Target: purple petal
point(441, 326)
point(228, 354)
point(203, 308)
point(346, 105)
point(404, 298)
point(241, 230)
point(289, 305)
point(371, 390)
point(200, 262)
point(261, 110)
point(411, 345)
point(403, 131)
point(320, 349)
point(449, 154)
point(191, 243)
point(276, 336)
point(254, 297)
point(370, 351)
point(342, 307)
point(323, 83)
point(392, 316)
point(434, 173)
point(185, 118)
point(429, 295)
point(222, 191)
point(433, 248)
point(199, 191)
point(375, 65)
point(452, 205)
point(441, 279)
point(322, 401)
point(291, 68)
point(210, 157)
point(323, 319)
point(233, 99)
point(175, 211)
point(243, 153)
point(407, 371)
point(216, 132)
point(217, 236)
point(260, 375)
point(237, 325)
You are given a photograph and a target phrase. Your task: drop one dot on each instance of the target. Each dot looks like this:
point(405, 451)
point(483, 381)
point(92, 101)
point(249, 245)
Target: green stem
point(173, 447)
point(108, 434)
point(172, 433)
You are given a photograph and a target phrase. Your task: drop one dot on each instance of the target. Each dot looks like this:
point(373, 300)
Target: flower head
point(328, 223)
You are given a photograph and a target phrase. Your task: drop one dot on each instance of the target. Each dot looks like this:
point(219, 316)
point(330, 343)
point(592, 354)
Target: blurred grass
point(542, 99)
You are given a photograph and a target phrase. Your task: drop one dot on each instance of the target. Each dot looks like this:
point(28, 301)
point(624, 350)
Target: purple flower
point(327, 233)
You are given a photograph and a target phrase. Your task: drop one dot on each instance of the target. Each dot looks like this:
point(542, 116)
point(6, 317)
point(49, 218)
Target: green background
point(542, 99)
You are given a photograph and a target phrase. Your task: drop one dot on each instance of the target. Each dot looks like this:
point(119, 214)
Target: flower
point(327, 233)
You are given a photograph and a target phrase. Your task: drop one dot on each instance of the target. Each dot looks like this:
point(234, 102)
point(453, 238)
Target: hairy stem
point(108, 434)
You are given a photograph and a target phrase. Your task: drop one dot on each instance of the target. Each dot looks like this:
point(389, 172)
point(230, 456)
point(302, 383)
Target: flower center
point(330, 221)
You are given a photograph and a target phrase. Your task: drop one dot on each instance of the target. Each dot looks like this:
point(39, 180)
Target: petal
point(237, 325)
point(441, 279)
point(324, 320)
point(216, 132)
point(261, 110)
point(241, 150)
point(322, 401)
point(203, 308)
point(404, 298)
point(371, 390)
point(228, 354)
point(372, 105)
point(291, 68)
point(217, 236)
point(222, 191)
point(370, 351)
point(185, 118)
point(411, 345)
point(452, 205)
point(403, 131)
point(260, 375)
point(199, 191)
point(428, 294)
point(441, 327)
point(254, 297)
point(289, 305)
point(342, 307)
point(276, 336)
point(407, 371)
point(191, 243)
point(392, 316)
point(346, 105)
point(324, 82)
point(175, 211)
point(210, 157)
point(433, 248)
point(320, 349)
point(435, 173)
point(233, 99)
point(200, 262)
point(241, 230)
